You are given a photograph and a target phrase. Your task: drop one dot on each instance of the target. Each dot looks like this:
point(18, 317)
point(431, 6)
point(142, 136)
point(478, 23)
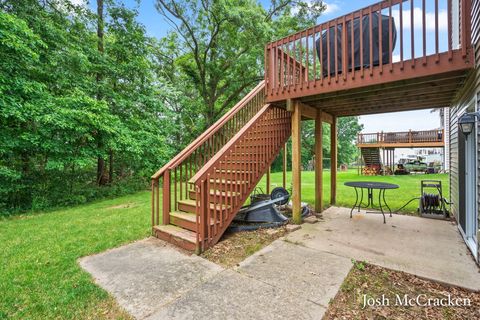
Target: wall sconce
point(467, 121)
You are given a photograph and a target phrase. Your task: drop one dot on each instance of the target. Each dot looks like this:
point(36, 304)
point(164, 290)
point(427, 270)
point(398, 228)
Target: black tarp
point(366, 43)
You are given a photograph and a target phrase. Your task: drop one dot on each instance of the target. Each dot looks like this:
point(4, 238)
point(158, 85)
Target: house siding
point(470, 91)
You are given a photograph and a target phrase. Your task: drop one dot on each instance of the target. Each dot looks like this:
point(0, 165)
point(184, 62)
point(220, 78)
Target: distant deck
point(407, 139)
point(425, 70)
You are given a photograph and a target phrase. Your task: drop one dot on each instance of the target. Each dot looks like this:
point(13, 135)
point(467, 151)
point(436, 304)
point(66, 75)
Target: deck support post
point(295, 108)
point(318, 163)
point(284, 177)
point(333, 161)
point(166, 198)
point(268, 181)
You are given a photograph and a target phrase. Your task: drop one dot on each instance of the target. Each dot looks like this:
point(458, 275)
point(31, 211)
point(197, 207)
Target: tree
point(348, 129)
point(66, 101)
point(101, 172)
point(220, 45)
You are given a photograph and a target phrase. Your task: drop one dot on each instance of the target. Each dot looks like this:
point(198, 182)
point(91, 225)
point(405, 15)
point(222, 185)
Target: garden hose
point(406, 204)
point(428, 200)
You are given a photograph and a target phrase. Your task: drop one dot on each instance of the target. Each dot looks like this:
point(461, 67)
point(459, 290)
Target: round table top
point(371, 185)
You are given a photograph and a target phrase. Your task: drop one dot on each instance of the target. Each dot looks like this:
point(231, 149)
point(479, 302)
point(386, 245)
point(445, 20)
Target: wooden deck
point(406, 139)
point(425, 70)
point(196, 195)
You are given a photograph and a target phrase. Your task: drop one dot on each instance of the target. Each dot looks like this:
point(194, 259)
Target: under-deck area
point(396, 55)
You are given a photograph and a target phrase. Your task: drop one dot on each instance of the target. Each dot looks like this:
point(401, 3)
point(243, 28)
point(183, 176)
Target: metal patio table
point(370, 186)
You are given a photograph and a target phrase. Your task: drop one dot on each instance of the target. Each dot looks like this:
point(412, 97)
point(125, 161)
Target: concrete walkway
point(293, 278)
point(428, 248)
point(152, 280)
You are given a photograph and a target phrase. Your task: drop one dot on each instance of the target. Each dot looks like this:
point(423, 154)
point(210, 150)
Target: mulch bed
point(365, 280)
point(235, 247)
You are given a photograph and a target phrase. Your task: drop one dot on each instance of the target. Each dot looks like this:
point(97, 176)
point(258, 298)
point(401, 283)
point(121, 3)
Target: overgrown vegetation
point(75, 119)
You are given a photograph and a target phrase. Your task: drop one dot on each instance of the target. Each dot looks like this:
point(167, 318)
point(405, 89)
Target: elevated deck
point(407, 139)
point(386, 57)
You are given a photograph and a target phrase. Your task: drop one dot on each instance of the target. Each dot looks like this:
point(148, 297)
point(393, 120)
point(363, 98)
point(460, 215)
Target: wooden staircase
point(205, 185)
point(371, 157)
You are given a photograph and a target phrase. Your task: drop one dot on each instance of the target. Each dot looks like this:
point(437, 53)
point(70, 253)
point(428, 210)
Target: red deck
point(425, 69)
point(406, 139)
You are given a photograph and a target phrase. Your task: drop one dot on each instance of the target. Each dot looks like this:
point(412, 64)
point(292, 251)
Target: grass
point(39, 274)
point(409, 188)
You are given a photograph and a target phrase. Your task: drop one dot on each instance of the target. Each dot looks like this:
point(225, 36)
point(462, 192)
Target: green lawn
point(409, 187)
point(39, 274)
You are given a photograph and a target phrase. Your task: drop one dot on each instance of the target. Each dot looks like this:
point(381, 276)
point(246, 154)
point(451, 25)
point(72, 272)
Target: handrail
point(213, 161)
point(176, 173)
point(210, 131)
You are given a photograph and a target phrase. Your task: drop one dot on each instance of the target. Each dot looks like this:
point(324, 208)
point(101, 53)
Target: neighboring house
point(464, 153)
point(386, 57)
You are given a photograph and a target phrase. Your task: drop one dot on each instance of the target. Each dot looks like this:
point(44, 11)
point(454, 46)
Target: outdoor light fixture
point(467, 121)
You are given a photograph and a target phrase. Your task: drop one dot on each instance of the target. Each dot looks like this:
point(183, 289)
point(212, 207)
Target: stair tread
point(178, 232)
point(194, 203)
point(184, 215)
point(228, 181)
point(233, 171)
point(222, 193)
point(188, 216)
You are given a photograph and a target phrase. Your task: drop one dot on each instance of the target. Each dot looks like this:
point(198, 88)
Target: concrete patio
point(294, 277)
point(429, 248)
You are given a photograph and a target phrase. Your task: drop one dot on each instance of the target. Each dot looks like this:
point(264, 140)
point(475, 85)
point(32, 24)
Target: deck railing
point(406, 137)
point(178, 171)
point(382, 40)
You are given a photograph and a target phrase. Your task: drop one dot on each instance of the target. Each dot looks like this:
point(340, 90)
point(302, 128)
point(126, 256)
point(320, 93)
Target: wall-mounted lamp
point(467, 121)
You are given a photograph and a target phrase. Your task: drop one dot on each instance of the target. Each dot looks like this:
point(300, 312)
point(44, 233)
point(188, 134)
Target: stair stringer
point(260, 141)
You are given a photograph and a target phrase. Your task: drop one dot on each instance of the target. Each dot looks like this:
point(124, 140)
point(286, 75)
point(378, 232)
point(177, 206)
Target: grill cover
point(366, 43)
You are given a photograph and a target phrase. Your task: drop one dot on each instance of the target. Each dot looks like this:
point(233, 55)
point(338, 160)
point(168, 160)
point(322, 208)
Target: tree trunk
point(101, 172)
point(110, 167)
point(102, 178)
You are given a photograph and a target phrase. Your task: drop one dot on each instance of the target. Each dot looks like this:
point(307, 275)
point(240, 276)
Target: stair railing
point(232, 174)
point(178, 171)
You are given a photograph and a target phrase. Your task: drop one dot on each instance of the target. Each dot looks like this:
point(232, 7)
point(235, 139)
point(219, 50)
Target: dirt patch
point(389, 287)
point(235, 247)
point(108, 310)
point(123, 206)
